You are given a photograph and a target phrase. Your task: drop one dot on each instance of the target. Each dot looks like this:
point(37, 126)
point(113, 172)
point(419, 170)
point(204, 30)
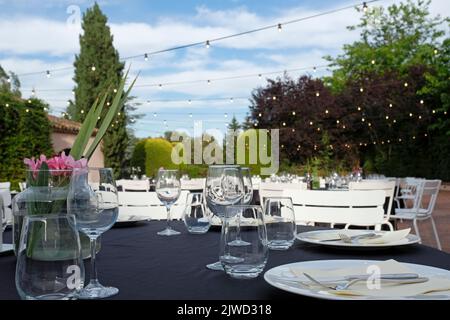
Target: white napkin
point(387, 290)
point(386, 236)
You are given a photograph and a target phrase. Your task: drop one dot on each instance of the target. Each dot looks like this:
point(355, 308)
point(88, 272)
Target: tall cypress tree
point(97, 69)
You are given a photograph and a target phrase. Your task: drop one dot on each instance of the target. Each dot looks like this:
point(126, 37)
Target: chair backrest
point(410, 189)
point(273, 189)
point(138, 199)
point(134, 185)
point(388, 186)
point(193, 184)
point(5, 185)
point(430, 190)
point(5, 195)
point(22, 186)
point(360, 208)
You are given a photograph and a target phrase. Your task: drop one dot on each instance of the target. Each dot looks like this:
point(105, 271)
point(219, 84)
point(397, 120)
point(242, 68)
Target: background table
point(144, 265)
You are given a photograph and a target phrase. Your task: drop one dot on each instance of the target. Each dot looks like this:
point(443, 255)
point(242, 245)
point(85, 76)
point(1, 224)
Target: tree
point(97, 69)
point(9, 83)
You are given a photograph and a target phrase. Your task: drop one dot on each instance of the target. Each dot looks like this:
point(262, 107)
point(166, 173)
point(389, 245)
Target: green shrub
point(138, 156)
point(158, 154)
point(22, 135)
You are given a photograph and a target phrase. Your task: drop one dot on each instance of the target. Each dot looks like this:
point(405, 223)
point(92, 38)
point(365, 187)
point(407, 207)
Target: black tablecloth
point(144, 265)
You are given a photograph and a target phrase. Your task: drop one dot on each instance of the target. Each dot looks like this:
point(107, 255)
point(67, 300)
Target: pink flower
point(61, 162)
point(32, 164)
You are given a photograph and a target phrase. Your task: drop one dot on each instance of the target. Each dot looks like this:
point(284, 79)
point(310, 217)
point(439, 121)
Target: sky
point(40, 35)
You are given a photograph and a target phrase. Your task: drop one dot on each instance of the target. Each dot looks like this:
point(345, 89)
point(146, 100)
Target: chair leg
point(416, 229)
point(436, 234)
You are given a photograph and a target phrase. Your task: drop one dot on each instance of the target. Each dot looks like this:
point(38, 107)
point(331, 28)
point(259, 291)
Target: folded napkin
point(386, 236)
point(386, 290)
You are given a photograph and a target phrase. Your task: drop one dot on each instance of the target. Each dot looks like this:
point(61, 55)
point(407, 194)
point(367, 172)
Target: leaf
point(42, 178)
point(116, 105)
point(88, 128)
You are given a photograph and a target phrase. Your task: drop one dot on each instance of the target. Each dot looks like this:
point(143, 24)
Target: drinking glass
point(280, 223)
point(196, 217)
point(93, 200)
point(244, 262)
point(49, 263)
point(168, 189)
point(247, 199)
point(224, 187)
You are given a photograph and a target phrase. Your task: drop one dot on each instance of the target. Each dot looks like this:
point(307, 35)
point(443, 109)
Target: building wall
point(61, 141)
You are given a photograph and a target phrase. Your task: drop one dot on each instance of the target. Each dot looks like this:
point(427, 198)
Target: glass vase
point(46, 193)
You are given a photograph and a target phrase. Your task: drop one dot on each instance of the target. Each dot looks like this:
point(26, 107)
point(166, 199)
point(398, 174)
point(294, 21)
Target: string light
point(260, 76)
point(317, 94)
point(387, 117)
point(209, 81)
point(190, 101)
point(326, 111)
point(154, 114)
point(29, 101)
point(115, 90)
point(293, 130)
point(405, 84)
point(421, 101)
point(73, 92)
point(359, 108)
point(293, 113)
point(93, 68)
point(27, 110)
point(226, 115)
point(284, 124)
point(8, 80)
point(279, 27)
point(98, 118)
point(118, 113)
point(435, 51)
point(190, 115)
point(231, 100)
point(259, 115)
point(390, 105)
point(373, 61)
point(410, 114)
point(82, 111)
point(365, 7)
point(363, 119)
point(361, 89)
point(314, 69)
point(337, 121)
point(274, 98)
point(33, 92)
point(160, 86)
point(146, 57)
point(420, 117)
point(48, 73)
point(207, 44)
point(7, 105)
point(310, 123)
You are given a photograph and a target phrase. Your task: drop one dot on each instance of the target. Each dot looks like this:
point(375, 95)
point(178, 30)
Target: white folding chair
point(273, 189)
point(141, 204)
point(5, 185)
point(134, 185)
point(424, 190)
point(387, 186)
point(5, 194)
point(357, 208)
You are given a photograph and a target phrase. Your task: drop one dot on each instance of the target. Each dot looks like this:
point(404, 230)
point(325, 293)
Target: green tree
point(97, 69)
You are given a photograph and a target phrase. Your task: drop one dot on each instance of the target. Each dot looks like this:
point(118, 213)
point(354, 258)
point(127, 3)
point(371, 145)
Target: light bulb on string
point(361, 89)
point(259, 115)
point(314, 69)
point(421, 101)
point(8, 80)
point(146, 57)
point(231, 100)
point(154, 114)
point(115, 90)
point(293, 113)
point(33, 92)
point(337, 121)
point(405, 84)
point(73, 92)
point(365, 8)
point(390, 105)
point(47, 73)
point(373, 61)
point(274, 98)
point(82, 111)
point(226, 115)
point(317, 94)
point(207, 44)
point(160, 86)
point(190, 115)
point(27, 110)
point(7, 105)
point(279, 27)
point(260, 76)
point(189, 101)
point(326, 111)
point(209, 81)
point(93, 68)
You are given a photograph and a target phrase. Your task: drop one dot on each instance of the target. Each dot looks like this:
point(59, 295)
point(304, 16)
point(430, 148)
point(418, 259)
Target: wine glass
point(248, 196)
point(168, 188)
point(196, 218)
point(224, 187)
point(93, 200)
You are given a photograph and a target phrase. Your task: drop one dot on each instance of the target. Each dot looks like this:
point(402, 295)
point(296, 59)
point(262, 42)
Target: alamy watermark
point(254, 146)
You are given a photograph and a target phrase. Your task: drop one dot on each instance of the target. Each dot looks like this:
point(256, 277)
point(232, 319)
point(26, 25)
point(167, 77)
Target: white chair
point(273, 189)
point(5, 194)
point(193, 184)
point(357, 208)
point(387, 186)
point(406, 190)
point(424, 190)
point(134, 185)
point(5, 185)
point(179, 206)
point(141, 204)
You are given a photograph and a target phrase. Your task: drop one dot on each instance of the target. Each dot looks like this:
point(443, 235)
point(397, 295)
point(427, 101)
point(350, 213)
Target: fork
point(345, 286)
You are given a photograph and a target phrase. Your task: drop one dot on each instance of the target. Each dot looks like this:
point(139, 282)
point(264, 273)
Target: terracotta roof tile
point(64, 125)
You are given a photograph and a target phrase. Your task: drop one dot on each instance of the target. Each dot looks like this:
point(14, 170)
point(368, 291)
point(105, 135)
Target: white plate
point(280, 277)
point(313, 237)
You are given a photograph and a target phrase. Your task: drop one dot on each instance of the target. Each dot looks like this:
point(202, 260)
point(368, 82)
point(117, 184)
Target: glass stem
point(93, 244)
point(168, 217)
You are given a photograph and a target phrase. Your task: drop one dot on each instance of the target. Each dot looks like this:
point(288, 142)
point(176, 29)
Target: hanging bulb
point(293, 113)
point(154, 114)
point(93, 68)
point(365, 7)
point(231, 100)
point(160, 86)
point(260, 114)
point(421, 101)
point(279, 27)
point(33, 92)
point(209, 81)
point(337, 121)
point(405, 84)
point(207, 44)
point(27, 110)
point(146, 57)
point(189, 101)
point(361, 89)
point(48, 73)
point(260, 76)
point(190, 115)
point(73, 92)
point(226, 115)
point(82, 111)
point(8, 80)
point(314, 69)
point(115, 90)
point(373, 61)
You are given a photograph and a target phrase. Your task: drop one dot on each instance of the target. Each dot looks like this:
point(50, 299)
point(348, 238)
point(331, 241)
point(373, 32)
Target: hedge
point(158, 153)
point(23, 135)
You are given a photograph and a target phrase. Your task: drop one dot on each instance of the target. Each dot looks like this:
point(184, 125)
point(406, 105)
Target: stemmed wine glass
point(224, 187)
point(93, 200)
point(168, 188)
point(246, 200)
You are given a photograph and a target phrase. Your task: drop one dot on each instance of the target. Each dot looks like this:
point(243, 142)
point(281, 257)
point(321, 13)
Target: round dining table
point(144, 265)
